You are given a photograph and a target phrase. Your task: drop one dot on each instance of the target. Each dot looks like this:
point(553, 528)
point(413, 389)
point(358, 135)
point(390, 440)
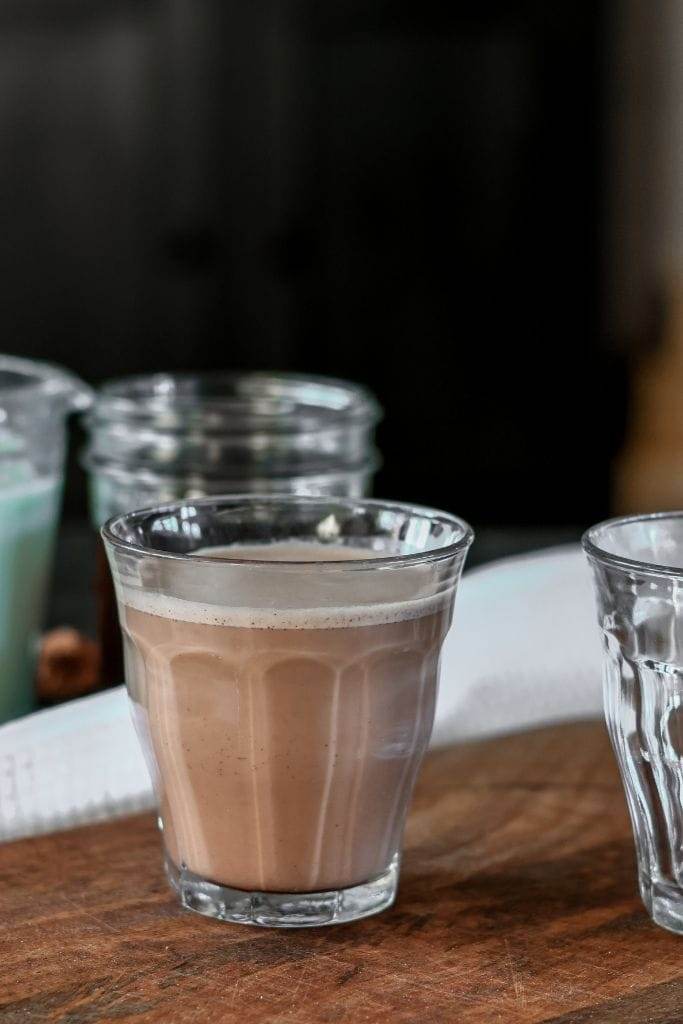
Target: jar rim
point(279, 402)
point(33, 378)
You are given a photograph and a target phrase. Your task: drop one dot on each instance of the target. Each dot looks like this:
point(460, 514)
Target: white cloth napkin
point(523, 650)
point(71, 765)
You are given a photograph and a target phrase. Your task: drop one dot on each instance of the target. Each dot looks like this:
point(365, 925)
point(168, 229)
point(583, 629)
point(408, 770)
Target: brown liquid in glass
point(285, 757)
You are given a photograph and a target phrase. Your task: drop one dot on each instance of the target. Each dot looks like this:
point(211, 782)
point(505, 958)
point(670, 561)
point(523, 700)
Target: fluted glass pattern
point(640, 612)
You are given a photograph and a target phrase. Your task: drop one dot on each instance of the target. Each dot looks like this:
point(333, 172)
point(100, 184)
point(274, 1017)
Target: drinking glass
point(637, 564)
point(284, 695)
point(35, 399)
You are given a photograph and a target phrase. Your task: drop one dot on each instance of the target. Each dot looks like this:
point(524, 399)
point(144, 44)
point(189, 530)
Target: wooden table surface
point(518, 903)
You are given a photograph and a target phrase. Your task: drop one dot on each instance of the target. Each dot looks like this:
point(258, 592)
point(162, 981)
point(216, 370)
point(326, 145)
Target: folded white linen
point(524, 650)
point(71, 765)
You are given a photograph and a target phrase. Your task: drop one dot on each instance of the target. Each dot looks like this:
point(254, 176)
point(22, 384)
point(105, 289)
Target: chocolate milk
point(285, 743)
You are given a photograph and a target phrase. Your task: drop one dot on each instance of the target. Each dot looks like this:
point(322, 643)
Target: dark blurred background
point(415, 196)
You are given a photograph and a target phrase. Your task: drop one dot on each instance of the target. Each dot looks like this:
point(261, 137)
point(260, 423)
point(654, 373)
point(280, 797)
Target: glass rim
point(462, 543)
point(120, 397)
point(47, 379)
point(594, 550)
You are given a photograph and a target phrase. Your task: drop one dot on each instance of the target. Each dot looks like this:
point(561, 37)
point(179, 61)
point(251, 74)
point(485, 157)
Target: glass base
point(282, 909)
point(664, 903)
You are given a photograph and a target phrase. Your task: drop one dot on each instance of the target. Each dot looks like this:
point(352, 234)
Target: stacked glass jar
point(168, 436)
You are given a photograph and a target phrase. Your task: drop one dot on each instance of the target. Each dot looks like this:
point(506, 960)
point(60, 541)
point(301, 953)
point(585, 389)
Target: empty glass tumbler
point(637, 564)
point(282, 658)
point(35, 399)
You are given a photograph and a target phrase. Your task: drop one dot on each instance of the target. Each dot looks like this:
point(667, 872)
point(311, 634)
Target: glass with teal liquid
point(35, 400)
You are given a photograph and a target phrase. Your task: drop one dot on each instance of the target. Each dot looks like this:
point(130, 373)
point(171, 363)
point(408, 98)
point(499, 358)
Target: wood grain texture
point(518, 903)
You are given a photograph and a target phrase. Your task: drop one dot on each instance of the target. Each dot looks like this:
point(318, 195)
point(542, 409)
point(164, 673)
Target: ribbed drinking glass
point(637, 565)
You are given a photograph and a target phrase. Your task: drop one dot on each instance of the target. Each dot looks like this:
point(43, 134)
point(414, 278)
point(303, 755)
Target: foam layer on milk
point(313, 612)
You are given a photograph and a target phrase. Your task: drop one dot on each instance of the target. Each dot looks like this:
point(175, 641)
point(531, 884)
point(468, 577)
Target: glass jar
point(168, 437)
point(35, 400)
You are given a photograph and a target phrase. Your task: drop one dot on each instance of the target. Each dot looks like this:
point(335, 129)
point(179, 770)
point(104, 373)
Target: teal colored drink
point(28, 519)
point(35, 400)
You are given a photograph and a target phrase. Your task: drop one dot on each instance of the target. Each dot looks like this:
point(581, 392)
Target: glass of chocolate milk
point(282, 660)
